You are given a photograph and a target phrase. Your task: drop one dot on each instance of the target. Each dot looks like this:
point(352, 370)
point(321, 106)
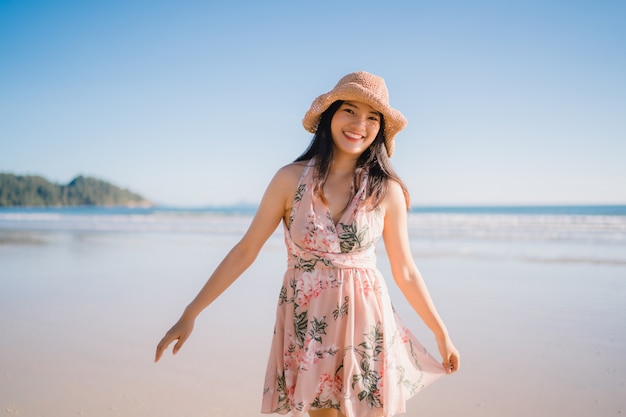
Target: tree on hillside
point(82, 191)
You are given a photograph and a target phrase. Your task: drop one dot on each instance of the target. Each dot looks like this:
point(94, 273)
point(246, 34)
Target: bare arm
point(275, 203)
point(408, 277)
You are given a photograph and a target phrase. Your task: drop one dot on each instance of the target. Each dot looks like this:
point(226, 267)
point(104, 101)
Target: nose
point(360, 122)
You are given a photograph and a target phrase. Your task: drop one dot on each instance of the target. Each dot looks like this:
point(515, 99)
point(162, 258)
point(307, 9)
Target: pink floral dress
point(337, 341)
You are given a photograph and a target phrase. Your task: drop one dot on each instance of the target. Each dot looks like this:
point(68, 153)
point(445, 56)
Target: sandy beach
point(81, 313)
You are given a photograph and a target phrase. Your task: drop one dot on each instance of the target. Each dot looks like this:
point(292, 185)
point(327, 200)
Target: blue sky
point(194, 103)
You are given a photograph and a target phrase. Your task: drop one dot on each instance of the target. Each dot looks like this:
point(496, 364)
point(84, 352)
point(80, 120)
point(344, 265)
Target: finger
point(453, 364)
point(159, 353)
point(456, 363)
point(178, 345)
point(450, 364)
point(161, 347)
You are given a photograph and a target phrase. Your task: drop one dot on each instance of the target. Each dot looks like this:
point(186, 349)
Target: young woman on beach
point(338, 348)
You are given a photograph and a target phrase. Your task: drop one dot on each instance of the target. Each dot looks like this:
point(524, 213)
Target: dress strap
point(303, 183)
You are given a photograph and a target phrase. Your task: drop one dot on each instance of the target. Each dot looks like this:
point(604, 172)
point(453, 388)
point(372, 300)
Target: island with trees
point(36, 191)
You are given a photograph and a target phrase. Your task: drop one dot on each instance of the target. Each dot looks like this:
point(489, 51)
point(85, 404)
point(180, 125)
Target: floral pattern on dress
point(337, 342)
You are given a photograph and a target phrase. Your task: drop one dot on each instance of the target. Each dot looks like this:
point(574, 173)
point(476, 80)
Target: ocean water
point(580, 234)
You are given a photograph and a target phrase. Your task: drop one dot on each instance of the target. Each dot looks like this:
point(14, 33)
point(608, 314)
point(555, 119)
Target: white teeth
point(353, 135)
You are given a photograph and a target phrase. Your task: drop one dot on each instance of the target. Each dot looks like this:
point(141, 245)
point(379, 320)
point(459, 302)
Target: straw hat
point(367, 88)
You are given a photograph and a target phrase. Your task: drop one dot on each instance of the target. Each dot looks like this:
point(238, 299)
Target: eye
point(349, 110)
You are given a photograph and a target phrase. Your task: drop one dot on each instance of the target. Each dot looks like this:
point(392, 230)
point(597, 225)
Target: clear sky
point(195, 103)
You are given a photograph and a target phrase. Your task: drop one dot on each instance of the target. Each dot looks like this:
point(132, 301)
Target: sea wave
point(144, 221)
point(532, 237)
point(589, 228)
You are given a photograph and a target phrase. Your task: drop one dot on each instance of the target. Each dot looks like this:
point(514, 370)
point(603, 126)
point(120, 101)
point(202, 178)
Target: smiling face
point(354, 127)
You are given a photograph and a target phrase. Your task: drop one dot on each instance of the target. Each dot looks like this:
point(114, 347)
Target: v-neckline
point(350, 208)
point(329, 215)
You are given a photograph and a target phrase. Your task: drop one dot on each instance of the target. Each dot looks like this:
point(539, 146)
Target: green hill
point(27, 190)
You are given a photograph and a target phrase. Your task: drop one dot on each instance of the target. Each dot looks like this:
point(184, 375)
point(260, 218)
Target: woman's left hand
point(449, 354)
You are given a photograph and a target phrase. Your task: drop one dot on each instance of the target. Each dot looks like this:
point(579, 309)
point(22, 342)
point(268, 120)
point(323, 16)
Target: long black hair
point(373, 160)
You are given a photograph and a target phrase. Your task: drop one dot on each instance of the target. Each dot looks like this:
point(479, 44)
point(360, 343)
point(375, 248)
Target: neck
point(343, 165)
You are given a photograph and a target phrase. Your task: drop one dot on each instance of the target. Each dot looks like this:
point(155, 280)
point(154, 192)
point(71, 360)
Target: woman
point(338, 347)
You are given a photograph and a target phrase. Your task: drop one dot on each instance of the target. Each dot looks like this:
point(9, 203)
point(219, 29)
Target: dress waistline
point(338, 261)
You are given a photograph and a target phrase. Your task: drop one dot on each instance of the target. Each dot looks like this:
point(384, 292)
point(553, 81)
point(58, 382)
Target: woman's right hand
point(179, 331)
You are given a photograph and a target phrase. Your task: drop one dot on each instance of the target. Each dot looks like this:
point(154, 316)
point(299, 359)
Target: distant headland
point(36, 191)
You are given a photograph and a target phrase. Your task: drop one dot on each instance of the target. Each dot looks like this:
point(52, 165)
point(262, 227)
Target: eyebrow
point(348, 103)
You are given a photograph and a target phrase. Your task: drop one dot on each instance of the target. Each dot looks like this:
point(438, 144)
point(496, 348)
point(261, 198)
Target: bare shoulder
point(395, 199)
point(284, 185)
point(289, 175)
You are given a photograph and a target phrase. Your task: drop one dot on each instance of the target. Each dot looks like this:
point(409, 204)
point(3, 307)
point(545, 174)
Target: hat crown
point(374, 84)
